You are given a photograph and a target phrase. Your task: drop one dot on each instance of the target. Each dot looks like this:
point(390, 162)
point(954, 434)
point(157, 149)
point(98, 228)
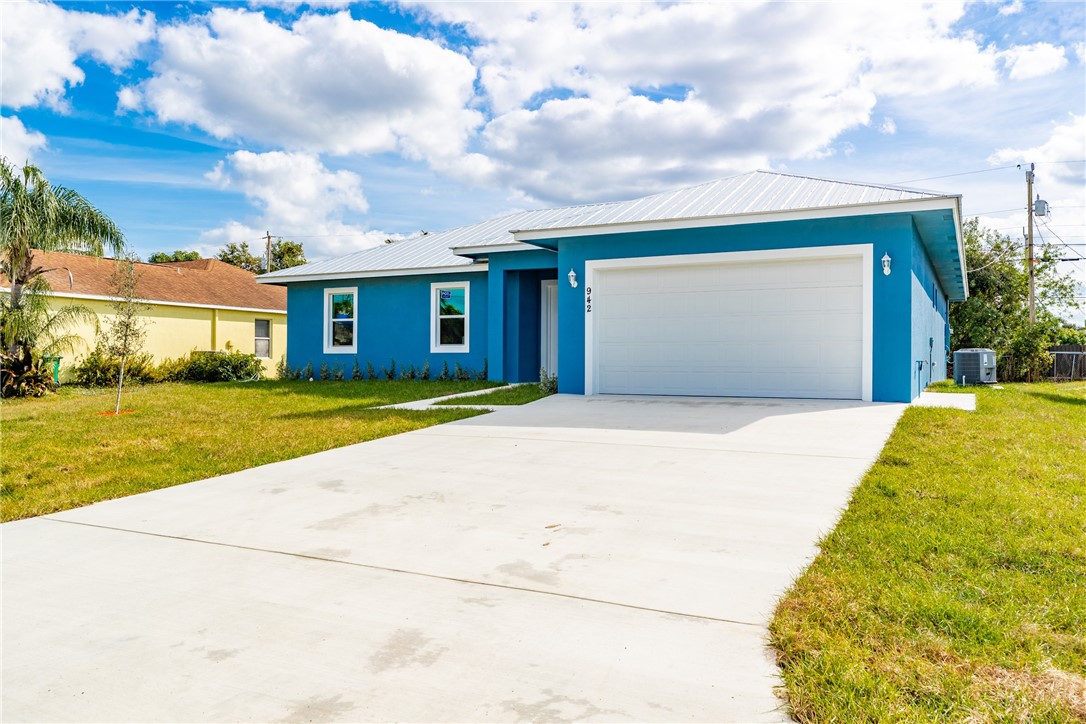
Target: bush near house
point(98, 369)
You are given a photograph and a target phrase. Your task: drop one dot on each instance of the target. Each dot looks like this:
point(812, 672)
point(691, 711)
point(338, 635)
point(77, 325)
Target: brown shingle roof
point(204, 281)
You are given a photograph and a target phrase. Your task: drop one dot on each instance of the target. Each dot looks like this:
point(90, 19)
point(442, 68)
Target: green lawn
point(954, 586)
point(516, 395)
point(60, 452)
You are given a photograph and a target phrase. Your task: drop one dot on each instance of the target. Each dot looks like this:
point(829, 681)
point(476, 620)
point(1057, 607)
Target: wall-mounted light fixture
point(886, 264)
point(572, 278)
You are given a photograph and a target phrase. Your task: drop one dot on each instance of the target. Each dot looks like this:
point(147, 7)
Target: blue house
point(758, 285)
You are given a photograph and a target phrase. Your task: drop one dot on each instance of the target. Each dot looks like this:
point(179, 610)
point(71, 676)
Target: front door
point(548, 326)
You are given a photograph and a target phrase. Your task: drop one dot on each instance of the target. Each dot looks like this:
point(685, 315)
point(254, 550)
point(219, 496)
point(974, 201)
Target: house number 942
point(588, 300)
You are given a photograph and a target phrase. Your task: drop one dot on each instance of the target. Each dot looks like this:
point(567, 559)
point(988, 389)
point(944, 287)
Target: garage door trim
point(863, 251)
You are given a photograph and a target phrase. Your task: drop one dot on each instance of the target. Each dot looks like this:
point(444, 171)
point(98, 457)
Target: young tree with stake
point(124, 333)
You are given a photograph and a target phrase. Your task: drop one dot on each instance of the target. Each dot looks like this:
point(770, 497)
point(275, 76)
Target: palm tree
point(35, 215)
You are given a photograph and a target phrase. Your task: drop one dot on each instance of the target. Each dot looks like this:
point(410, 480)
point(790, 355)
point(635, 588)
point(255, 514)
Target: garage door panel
point(790, 328)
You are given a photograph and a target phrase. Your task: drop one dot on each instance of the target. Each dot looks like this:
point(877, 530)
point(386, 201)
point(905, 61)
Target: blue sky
point(341, 124)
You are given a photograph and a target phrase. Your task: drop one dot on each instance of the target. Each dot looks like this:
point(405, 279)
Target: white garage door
point(782, 328)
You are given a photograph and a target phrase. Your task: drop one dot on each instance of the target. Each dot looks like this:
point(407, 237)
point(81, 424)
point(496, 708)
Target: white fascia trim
point(346, 275)
point(864, 251)
point(435, 338)
point(489, 248)
point(157, 302)
point(957, 211)
point(762, 217)
point(327, 322)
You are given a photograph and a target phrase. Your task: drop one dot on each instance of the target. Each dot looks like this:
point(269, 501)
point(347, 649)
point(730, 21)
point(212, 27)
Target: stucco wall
point(393, 322)
point(174, 331)
point(928, 319)
point(892, 234)
point(514, 282)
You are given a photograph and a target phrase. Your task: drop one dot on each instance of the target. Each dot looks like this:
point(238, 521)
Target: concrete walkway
point(590, 559)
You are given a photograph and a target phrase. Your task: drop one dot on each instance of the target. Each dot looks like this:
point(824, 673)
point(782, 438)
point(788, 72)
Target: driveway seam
point(387, 569)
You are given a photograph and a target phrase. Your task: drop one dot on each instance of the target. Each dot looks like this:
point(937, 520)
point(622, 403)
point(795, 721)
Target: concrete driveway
point(595, 559)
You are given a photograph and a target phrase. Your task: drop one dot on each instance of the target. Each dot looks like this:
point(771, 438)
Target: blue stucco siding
point(514, 313)
point(908, 312)
point(891, 234)
point(393, 322)
point(928, 319)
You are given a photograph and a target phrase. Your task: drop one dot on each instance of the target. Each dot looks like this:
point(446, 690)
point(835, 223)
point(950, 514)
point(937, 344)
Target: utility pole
point(1029, 245)
point(267, 265)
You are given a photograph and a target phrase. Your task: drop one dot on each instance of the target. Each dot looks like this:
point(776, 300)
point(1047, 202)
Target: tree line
point(284, 254)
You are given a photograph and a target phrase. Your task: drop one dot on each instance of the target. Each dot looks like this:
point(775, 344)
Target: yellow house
point(203, 305)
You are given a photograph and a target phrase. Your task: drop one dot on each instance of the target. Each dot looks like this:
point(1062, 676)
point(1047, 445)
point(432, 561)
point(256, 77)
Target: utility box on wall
point(974, 366)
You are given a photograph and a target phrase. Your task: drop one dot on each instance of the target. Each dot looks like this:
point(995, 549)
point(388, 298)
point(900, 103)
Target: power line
point(1012, 248)
point(950, 175)
point(1073, 251)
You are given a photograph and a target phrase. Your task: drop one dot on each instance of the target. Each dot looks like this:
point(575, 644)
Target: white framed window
point(262, 338)
point(450, 314)
point(341, 320)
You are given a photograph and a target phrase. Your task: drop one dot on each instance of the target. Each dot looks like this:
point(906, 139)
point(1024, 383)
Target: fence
point(1068, 362)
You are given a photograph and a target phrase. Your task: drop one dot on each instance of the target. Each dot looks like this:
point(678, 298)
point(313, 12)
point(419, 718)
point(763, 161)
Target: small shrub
point(18, 379)
point(371, 374)
point(444, 372)
point(283, 371)
point(170, 370)
point(307, 371)
point(356, 371)
point(548, 384)
point(425, 374)
point(337, 372)
point(213, 367)
point(99, 369)
point(326, 372)
point(482, 376)
point(408, 373)
point(461, 374)
point(390, 373)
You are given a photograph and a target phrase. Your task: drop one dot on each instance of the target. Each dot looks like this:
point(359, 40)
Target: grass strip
point(61, 452)
point(516, 395)
point(954, 585)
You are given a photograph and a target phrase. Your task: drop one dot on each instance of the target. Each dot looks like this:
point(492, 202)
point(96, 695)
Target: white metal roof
point(751, 193)
point(425, 251)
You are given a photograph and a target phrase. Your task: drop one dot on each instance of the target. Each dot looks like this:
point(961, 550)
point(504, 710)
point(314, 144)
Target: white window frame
point(327, 323)
point(435, 327)
point(257, 339)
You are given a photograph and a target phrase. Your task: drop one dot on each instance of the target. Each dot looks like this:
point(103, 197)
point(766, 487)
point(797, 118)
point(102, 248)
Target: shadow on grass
point(371, 393)
point(364, 412)
point(1051, 397)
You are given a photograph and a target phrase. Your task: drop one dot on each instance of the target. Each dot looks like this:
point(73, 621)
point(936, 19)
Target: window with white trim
point(341, 320)
point(262, 338)
point(449, 316)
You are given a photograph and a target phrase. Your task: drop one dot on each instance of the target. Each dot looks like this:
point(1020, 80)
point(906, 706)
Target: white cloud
point(1032, 61)
point(298, 198)
point(1012, 8)
point(746, 83)
point(17, 142)
point(888, 127)
point(328, 83)
point(40, 44)
point(1062, 153)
